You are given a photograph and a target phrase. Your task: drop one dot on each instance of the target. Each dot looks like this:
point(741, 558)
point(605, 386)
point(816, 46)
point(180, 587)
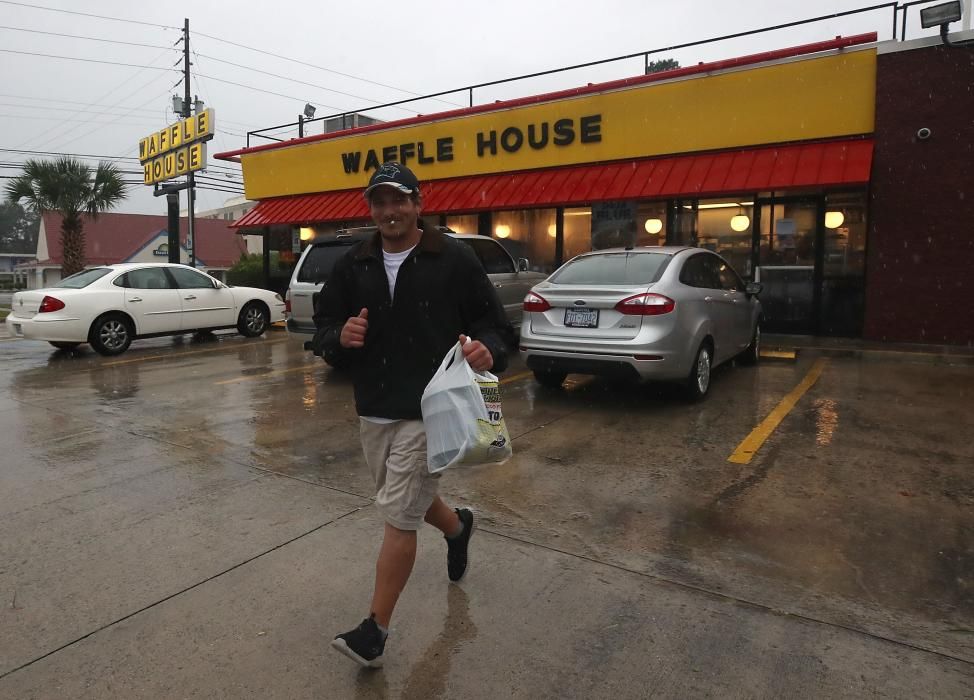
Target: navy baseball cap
point(393, 174)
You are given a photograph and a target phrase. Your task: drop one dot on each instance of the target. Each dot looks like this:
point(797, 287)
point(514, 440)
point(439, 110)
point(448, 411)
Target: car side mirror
point(753, 288)
point(522, 264)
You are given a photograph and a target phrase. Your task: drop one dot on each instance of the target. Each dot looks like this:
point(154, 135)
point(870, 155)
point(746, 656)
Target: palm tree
point(72, 189)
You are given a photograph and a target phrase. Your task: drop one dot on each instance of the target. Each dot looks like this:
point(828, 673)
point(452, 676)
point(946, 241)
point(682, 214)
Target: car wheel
point(253, 320)
point(550, 378)
point(753, 352)
point(698, 381)
point(111, 334)
point(63, 346)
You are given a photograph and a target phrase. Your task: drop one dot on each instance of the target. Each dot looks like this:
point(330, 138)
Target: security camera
point(923, 133)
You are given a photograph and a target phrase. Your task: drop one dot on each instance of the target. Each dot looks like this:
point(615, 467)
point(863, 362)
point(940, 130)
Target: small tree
point(72, 189)
point(662, 65)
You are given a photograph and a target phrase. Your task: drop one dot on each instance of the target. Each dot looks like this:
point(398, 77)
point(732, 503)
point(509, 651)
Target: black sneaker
point(364, 644)
point(456, 554)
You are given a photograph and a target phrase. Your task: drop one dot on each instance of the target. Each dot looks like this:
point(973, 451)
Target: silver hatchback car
point(667, 313)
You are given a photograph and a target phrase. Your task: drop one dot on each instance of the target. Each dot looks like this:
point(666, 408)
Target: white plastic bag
point(462, 415)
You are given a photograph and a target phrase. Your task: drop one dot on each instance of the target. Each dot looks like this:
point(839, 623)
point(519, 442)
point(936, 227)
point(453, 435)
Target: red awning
point(826, 164)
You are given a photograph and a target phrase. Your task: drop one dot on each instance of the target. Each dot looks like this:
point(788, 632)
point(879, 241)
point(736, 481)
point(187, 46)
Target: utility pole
point(188, 112)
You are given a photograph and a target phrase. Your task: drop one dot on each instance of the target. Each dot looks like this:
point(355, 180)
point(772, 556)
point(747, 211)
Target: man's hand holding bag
point(462, 415)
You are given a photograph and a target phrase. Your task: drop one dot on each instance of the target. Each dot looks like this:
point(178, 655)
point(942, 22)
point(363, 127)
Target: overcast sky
point(363, 53)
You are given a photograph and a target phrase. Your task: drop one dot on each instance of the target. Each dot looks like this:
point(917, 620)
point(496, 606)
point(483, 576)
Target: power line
point(232, 168)
point(70, 102)
point(311, 65)
point(266, 92)
point(86, 60)
point(295, 80)
point(87, 38)
point(86, 14)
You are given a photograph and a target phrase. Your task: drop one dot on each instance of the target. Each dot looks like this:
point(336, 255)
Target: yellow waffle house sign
point(178, 149)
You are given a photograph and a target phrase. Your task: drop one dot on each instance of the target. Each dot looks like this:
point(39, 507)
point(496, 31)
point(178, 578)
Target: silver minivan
point(512, 279)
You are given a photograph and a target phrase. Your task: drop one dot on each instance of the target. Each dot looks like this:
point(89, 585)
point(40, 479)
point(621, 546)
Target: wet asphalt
point(193, 519)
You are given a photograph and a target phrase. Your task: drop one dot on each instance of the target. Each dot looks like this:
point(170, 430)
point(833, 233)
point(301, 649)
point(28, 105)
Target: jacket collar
point(432, 241)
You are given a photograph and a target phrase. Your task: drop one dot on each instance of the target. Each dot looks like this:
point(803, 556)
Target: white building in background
point(233, 209)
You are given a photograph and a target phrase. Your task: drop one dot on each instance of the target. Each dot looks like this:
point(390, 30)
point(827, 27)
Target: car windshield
point(83, 278)
point(624, 269)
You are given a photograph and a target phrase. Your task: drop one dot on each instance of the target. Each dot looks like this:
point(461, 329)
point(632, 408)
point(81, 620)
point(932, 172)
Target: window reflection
point(463, 223)
point(578, 232)
point(725, 227)
point(845, 234)
point(527, 233)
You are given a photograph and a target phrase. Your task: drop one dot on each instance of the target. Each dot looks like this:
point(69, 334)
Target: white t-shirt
point(392, 261)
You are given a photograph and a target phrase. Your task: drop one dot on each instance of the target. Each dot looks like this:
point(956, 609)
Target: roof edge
point(752, 59)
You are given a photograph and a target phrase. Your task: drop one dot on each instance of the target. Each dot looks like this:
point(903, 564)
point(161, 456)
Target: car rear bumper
point(295, 326)
point(66, 330)
point(645, 366)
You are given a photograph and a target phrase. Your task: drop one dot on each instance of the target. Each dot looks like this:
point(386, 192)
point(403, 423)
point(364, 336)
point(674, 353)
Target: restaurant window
point(578, 232)
point(845, 234)
point(788, 234)
point(528, 233)
point(463, 223)
point(613, 225)
point(725, 226)
point(651, 223)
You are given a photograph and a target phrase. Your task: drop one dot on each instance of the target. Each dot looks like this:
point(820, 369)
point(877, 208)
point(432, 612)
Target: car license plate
point(582, 318)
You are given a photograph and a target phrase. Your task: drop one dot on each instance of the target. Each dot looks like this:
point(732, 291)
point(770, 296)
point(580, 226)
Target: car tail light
point(645, 304)
point(50, 304)
point(535, 302)
point(287, 302)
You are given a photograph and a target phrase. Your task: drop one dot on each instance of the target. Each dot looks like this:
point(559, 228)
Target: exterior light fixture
point(943, 15)
point(940, 14)
point(834, 219)
point(653, 226)
point(309, 111)
point(306, 233)
point(740, 222)
point(502, 231)
point(552, 231)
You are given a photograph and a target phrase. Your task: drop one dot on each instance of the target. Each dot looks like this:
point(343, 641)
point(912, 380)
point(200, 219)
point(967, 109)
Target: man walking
point(391, 309)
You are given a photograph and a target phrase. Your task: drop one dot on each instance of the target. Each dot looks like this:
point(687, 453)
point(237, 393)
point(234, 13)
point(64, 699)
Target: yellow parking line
point(752, 443)
point(269, 374)
point(173, 355)
point(516, 377)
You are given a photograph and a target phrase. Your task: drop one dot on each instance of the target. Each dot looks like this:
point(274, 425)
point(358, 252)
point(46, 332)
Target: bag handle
point(453, 355)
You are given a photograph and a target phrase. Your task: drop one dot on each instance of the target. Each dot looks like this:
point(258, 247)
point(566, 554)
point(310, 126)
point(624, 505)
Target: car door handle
point(134, 299)
point(190, 297)
point(708, 299)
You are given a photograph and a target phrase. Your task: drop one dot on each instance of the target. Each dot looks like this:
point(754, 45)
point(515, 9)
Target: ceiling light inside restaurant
point(653, 226)
point(307, 233)
point(502, 231)
point(740, 222)
point(552, 231)
point(834, 219)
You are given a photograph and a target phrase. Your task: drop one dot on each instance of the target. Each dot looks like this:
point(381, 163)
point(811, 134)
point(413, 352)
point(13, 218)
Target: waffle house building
point(807, 168)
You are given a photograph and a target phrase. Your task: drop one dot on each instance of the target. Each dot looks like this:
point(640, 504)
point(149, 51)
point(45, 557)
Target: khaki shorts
point(396, 455)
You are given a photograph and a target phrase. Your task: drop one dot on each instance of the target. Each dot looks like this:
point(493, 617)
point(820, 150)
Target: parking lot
point(193, 519)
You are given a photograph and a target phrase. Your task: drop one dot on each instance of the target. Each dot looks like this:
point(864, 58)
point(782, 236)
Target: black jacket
point(441, 292)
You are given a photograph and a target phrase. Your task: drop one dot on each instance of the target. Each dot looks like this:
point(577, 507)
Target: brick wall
point(920, 263)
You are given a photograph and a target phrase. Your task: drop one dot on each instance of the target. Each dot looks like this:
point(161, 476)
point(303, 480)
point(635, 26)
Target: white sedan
point(110, 305)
